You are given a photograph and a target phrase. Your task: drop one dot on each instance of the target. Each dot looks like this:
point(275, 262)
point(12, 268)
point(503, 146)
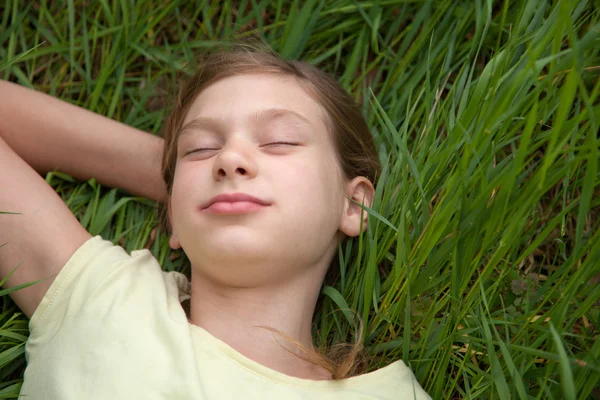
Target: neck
point(232, 315)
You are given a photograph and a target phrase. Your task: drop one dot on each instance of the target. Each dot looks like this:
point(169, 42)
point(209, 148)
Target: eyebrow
point(262, 116)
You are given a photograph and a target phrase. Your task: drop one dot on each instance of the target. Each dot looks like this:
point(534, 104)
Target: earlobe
point(174, 242)
point(173, 239)
point(361, 191)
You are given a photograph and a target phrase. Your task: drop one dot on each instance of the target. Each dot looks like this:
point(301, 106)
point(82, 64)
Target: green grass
point(481, 267)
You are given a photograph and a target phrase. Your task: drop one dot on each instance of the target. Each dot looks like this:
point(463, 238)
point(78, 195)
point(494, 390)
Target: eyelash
point(288, 143)
point(268, 144)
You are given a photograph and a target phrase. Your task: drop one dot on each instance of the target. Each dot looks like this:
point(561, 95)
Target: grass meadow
point(481, 265)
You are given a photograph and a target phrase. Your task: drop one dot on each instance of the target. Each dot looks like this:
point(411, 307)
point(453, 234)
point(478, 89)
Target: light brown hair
point(355, 151)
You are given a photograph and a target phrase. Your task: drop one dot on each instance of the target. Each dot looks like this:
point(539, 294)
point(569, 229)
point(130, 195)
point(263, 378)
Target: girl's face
point(262, 135)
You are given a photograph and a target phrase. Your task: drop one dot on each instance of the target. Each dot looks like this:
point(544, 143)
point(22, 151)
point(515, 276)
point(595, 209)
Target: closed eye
point(208, 149)
point(200, 150)
point(283, 143)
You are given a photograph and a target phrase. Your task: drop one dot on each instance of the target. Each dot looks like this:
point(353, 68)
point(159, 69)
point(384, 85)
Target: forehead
point(239, 98)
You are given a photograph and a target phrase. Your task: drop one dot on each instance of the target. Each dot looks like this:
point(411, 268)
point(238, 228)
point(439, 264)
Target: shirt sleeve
point(91, 264)
point(101, 281)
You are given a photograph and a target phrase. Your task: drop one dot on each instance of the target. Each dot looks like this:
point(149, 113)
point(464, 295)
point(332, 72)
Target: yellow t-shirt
point(112, 327)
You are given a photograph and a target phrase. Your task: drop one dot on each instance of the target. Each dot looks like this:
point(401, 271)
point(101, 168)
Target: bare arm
point(50, 134)
point(39, 238)
point(41, 133)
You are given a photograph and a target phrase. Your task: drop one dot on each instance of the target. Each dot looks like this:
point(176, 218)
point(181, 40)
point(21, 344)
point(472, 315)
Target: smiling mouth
point(234, 203)
point(233, 207)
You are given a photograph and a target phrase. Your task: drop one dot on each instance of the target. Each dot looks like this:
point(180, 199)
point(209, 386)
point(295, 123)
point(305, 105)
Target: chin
point(246, 246)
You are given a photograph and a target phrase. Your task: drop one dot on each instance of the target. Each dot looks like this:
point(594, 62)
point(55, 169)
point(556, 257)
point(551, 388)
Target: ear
point(173, 240)
point(359, 189)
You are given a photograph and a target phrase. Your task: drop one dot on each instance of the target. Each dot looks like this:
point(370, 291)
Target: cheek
point(317, 185)
point(189, 175)
point(185, 182)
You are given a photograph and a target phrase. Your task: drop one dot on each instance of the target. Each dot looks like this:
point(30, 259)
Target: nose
point(235, 160)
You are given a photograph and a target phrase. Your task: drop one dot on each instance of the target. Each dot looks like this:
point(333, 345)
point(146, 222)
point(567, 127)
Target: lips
point(234, 198)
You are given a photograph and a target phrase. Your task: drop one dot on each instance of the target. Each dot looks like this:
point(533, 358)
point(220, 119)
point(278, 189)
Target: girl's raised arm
point(39, 233)
point(50, 134)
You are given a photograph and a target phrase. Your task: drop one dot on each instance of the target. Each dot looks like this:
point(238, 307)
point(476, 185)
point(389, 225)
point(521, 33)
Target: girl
point(263, 164)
